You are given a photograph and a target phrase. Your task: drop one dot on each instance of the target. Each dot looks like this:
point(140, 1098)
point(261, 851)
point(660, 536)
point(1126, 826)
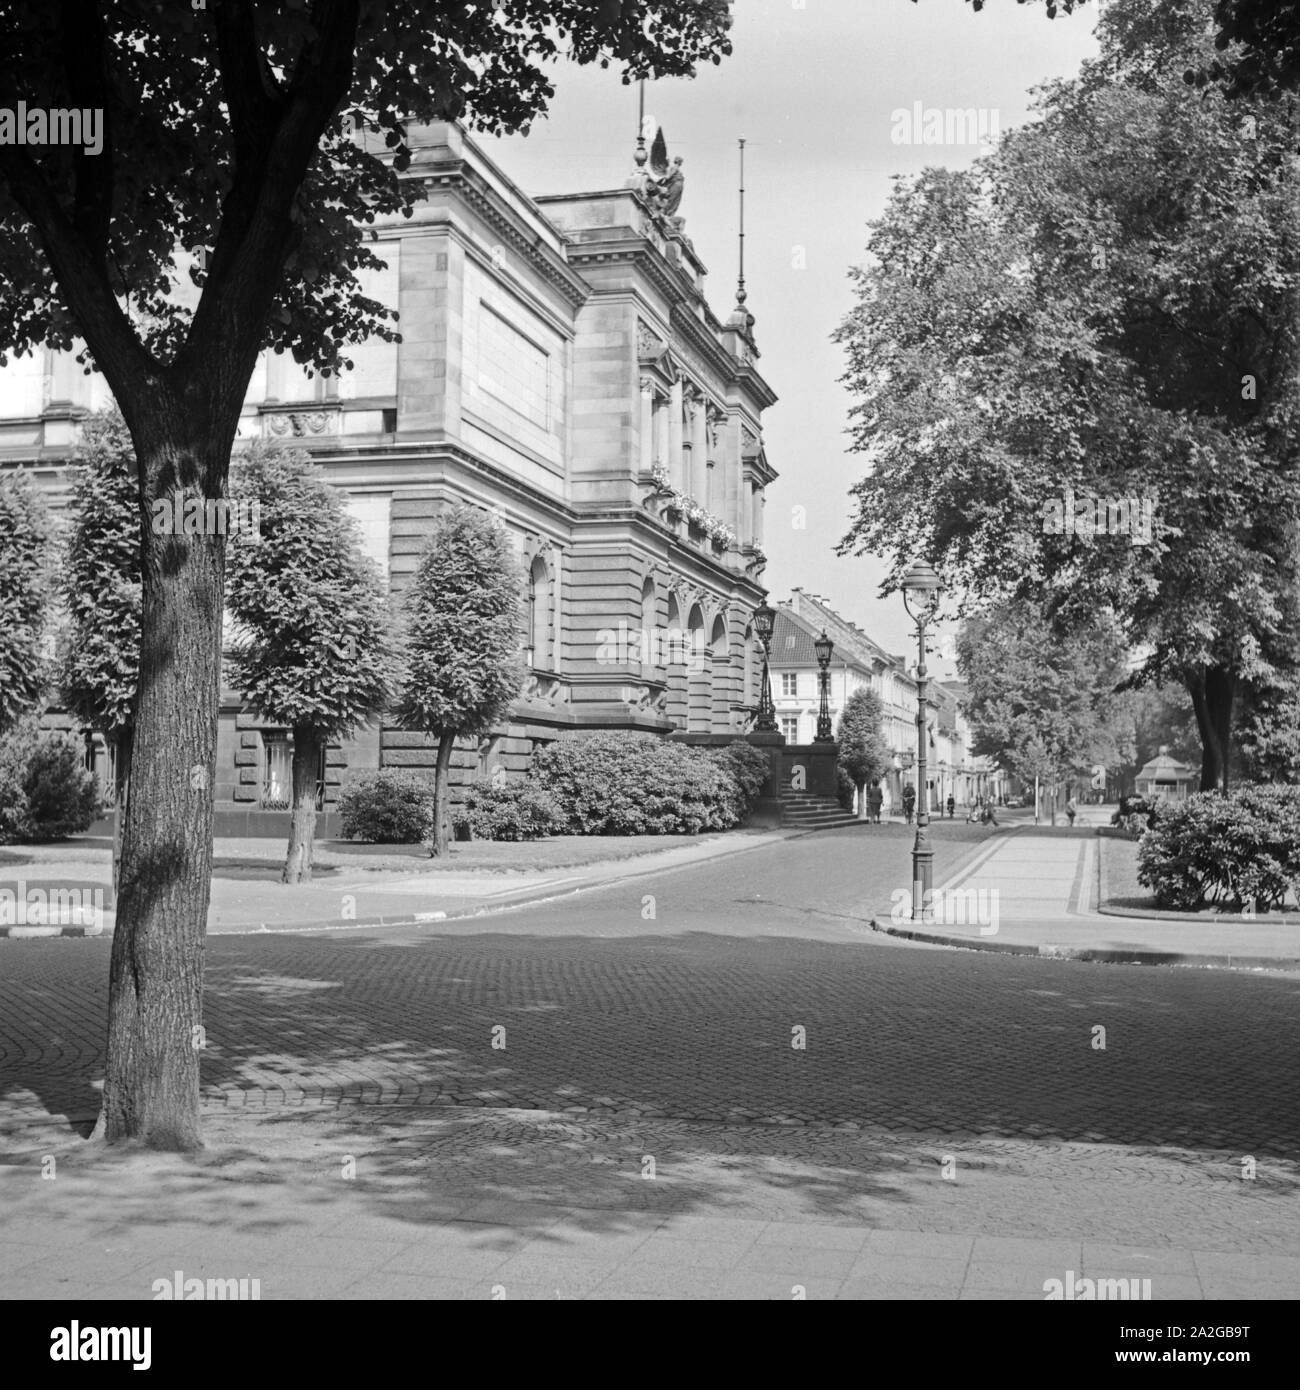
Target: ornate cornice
point(460, 178)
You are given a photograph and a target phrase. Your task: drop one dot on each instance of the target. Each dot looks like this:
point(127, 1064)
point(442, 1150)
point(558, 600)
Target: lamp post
point(823, 646)
point(921, 587)
point(764, 621)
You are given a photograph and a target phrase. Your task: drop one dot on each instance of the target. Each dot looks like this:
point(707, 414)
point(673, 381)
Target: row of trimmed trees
point(315, 645)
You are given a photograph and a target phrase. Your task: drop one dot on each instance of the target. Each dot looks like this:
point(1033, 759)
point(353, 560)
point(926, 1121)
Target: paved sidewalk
point(537, 1204)
point(1037, 894)
point(355, 897)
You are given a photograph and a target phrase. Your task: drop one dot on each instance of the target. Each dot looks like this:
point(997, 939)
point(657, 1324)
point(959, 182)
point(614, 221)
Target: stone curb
point(35, 931)
point(526, 899)
point(547, 893)
point(1103, 954)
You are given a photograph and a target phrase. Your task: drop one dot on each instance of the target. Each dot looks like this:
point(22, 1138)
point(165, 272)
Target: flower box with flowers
point(702, 523)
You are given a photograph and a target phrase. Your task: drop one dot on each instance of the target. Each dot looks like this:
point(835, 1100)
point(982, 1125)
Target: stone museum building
point(561, 367)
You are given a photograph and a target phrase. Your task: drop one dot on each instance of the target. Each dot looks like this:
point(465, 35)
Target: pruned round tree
point(99, 648)
point(314, 648)
point(24, 593)
point(464, 663)
point(863, 752)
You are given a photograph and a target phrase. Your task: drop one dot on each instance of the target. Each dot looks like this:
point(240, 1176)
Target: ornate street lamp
point(764, 621)
point(823, 646)
point(921, 586)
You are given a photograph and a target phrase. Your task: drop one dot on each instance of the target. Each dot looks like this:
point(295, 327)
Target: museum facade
point(561, 368)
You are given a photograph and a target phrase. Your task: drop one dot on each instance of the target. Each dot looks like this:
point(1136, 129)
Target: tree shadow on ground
point(706, 1027)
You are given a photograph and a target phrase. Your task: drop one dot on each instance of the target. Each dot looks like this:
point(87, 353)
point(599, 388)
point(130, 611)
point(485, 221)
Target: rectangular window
point(277, 773)
point(789, 683)
point(790, 727)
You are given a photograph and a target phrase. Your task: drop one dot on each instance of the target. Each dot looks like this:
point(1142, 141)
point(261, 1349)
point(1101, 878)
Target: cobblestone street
point(671, 1037)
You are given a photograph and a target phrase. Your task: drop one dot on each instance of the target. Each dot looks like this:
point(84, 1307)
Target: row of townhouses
point(857, 663)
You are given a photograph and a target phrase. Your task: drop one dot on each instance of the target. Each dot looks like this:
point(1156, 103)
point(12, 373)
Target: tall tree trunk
point(441, 807)
point(155, 1006)
point(122, 741)
point(1213, 690)
point(302, 825)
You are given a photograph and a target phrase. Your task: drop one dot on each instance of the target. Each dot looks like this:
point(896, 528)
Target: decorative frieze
point(300, 424)
point(650, 348)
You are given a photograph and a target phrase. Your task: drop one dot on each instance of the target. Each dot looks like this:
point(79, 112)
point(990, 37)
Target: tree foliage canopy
point(99, 660)
point(1105, 308)
point(313, 646)
point(863, 753)
point(212, 129)
point(462, 614)
point(24, 593)
point(1041, 706)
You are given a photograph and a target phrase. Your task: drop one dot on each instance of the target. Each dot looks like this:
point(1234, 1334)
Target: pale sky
point(812, 87)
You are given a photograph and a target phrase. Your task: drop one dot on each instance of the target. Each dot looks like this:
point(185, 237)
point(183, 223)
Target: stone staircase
point(801, 810)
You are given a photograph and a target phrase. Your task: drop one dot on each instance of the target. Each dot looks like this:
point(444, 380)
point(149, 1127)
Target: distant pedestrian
point(909, 801)
point(875, 799)
point(1071, 809)
point(952, 806)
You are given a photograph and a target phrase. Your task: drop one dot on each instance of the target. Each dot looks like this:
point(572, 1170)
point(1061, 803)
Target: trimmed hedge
point(46, 793)
point(1242, 849)
point(749, 768)
point(639, 784)
point(517, 811)
point(388, 807)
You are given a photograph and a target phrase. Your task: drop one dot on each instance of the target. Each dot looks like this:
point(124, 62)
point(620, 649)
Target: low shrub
point(46, 793)
point(749, 768)
point(844, 789)
point(1135, 815)
point(636, 784)
point(1242, 850)
point(388, 807)
point(517, 811)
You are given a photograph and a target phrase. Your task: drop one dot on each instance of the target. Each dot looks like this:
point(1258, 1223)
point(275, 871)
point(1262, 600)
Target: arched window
point(539, 616)
point(699, 675)
point(674, 649)
point(646, 648)
point(722, 692)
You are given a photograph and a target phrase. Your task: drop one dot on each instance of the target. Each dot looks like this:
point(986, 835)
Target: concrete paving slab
point(1136, 1258)
point(917, 1271)
point(929, 1245)
point(800, 1262)
point(797, 1234)
point(689, 1254)
point(886, 1287)
point(415, 1286)
point(1068, 1254)
point(573, 1278)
